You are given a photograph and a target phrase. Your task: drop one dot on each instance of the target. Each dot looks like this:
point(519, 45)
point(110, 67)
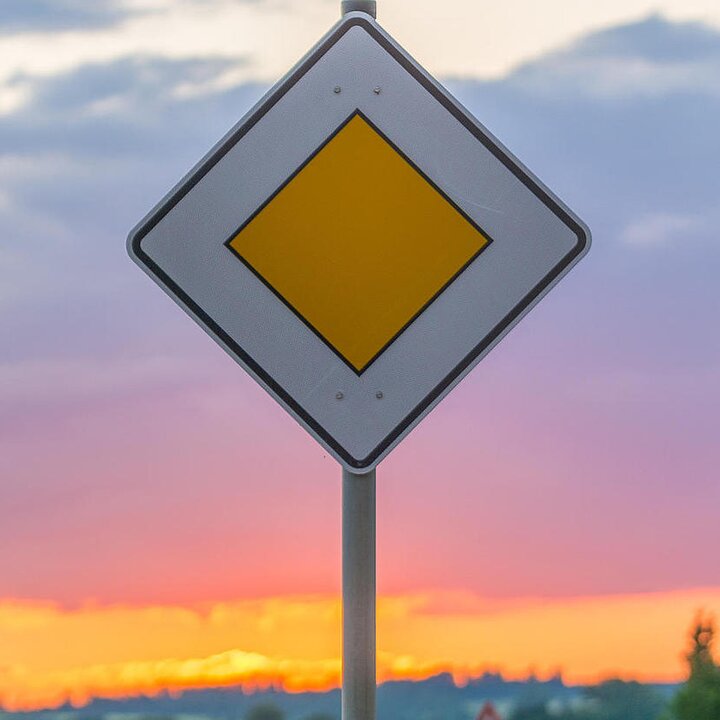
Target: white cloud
point(477, 39)
point(75, 380)
point(620, 77)
point(647, 59)
point(49, 15)
point(13, 96)
point(181, 31)
point(661, 228)
point(93, 148)
point(463, 39)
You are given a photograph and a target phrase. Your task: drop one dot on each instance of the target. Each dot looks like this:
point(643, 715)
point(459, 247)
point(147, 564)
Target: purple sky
point(138, 463)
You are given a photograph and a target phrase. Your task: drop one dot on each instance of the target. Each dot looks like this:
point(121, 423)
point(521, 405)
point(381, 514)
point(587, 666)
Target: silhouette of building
point(488, 712)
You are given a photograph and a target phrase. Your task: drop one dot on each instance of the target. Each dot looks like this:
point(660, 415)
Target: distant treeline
point(438, 698)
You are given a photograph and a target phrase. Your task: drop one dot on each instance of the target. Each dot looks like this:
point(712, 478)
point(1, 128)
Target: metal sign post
point(358, 596)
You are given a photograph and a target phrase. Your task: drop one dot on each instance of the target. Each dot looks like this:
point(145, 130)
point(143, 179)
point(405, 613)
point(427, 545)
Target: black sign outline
point(136, 237)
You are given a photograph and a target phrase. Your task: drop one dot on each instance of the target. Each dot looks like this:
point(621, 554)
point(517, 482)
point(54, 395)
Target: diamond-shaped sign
point(358, 242)
point(358, 272)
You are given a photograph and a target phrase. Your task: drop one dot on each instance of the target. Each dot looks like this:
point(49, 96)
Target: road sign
point(358, 242)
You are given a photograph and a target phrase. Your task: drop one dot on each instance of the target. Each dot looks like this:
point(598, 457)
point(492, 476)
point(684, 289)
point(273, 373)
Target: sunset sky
point(163, 524)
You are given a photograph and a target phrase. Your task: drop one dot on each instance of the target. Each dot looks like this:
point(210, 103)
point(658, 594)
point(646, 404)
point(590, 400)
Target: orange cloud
point(49, 655)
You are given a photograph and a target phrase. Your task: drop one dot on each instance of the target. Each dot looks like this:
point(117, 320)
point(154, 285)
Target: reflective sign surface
point(358, 242)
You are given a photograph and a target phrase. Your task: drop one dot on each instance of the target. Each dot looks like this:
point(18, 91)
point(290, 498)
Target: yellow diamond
point(358, 242)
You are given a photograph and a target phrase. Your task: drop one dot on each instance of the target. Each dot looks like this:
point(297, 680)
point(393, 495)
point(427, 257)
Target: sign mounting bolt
point(339, 395)
point(377, 90)
point(379, 395)
point(337, 89)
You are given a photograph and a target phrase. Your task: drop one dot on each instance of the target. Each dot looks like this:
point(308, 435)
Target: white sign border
point(357, 464)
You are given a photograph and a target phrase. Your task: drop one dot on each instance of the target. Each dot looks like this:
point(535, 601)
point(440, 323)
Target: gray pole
point(359, 679)
point(366, 6)
point(358, 541)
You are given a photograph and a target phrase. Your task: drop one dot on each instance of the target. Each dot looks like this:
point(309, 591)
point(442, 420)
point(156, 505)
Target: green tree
point(532, 712)
point(610, 700)
point(319, 716)
point(699, 698)
point(265, 711)
point(619, 700)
